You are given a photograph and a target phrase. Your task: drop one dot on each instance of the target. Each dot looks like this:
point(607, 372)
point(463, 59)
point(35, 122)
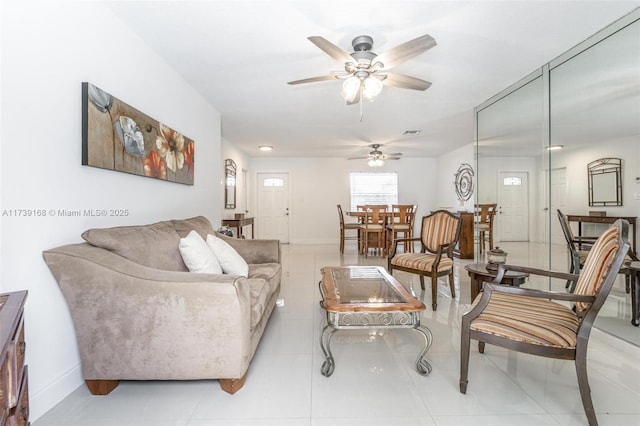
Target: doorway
point(272, 210)
point(513, 206)
point(559, 195)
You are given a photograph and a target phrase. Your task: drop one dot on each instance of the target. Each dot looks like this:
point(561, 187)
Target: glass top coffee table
point(356, 297)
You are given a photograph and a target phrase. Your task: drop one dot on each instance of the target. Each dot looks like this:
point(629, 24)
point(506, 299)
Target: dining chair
point(438, 236)
point(362, 208)
point(532, 322)
point(579, 249)
point(346, 226)
point(577, 255)
point(485, 213)
point(372, 230)
point(400, 224)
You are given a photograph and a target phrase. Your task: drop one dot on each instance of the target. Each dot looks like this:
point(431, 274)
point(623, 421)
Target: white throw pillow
point(230, 261)
point(197, 255)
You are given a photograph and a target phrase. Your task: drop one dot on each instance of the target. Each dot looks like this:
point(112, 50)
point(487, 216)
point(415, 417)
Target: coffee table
point(366, 297)
point(478, 273)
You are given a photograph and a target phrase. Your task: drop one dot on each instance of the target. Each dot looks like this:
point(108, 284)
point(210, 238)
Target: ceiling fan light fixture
point(350, 88)
point(371, 88)
point(375, 162)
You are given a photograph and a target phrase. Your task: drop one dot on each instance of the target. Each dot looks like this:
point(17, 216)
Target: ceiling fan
point(376, 157)
point(365, 72)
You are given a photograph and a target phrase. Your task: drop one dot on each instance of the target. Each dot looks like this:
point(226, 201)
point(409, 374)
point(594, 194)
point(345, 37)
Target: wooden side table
point(238, 224)
point(478, 273)
point(633, 270)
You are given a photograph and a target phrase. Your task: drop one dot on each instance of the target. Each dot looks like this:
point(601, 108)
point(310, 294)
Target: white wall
point(448, 165)
point(576, 160)
point(318, 184)
point(48, 49)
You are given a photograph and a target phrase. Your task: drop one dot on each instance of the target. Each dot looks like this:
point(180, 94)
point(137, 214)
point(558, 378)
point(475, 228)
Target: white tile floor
point(374, 382)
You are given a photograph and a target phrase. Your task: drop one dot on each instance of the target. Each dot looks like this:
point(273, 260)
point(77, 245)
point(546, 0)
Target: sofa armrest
point(138, 323)
point(255, 251)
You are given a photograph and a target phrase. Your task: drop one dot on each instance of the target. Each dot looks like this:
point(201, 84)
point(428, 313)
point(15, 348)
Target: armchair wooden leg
point(465, 344)
point(452, 285)
point(434, 292)
point(101, 387)
point(583, 384)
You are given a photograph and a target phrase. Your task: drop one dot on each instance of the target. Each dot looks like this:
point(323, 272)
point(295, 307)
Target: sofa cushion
point(230, 261)
point(154, 245)
point(197, 255)
point(199, 223)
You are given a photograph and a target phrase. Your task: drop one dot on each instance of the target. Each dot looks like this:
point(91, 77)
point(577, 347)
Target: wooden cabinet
point(14, 395)
point(464, 249)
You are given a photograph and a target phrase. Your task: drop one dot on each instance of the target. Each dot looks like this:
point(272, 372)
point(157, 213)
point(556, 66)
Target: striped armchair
point(530, 321)
point(439, 234)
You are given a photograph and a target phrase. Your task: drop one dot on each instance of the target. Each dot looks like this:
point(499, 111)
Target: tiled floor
point(374, 382)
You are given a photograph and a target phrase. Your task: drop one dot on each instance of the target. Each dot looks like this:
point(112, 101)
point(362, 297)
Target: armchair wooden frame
point(434, 248)
point(585, 316)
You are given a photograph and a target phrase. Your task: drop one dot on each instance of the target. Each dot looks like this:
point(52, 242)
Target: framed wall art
point(116, 136)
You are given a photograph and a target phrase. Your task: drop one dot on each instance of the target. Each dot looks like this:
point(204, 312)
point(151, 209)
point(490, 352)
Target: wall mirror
point(229, 184)
point(605, 182)
point(585, 105)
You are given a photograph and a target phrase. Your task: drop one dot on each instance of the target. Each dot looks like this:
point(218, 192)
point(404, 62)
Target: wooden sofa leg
point(101, 387)
point(232, 385)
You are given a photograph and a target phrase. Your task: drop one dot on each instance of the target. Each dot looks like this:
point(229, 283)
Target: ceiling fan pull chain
point(361, 105)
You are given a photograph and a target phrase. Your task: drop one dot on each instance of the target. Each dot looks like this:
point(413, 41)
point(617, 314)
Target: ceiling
point(240, 54)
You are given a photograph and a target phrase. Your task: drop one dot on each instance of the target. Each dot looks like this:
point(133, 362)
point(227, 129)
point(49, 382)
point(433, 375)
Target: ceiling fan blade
point(395, 154)
point(406, 82)
point(331, 49)
point(313, 79)
point(391, 158)
point(406, 51)
point(357, 158)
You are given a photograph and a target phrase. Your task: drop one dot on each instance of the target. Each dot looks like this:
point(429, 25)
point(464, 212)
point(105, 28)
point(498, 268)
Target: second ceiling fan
point(376, 158)
point(365, 72)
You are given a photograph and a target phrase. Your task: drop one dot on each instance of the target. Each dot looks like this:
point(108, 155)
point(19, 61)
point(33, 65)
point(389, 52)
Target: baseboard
point(45, 399)
point(304, 241)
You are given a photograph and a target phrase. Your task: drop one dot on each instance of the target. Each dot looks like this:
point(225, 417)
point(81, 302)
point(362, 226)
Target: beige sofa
point(139, 315)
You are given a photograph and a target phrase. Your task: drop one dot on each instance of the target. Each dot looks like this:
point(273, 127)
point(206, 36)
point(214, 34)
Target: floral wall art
point(118, 137)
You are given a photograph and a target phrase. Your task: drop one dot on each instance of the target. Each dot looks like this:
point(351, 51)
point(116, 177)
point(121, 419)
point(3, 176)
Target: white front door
point(513, 206)
point(272, 211)
point(559, 195)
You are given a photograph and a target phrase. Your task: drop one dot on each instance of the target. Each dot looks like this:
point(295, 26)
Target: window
point(510, 181)
point(273, 182)
point(373, 188)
